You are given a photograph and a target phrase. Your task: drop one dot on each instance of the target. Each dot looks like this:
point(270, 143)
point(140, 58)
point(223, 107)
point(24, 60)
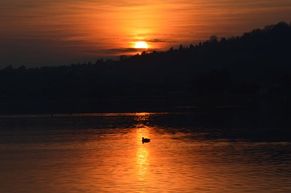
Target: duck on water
point(145, 140)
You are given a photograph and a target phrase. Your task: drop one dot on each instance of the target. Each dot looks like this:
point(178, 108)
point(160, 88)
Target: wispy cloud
point(157, 40)
point(122, 51)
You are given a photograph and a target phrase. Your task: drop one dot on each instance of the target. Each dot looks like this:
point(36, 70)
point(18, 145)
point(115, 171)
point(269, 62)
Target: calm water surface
point(103, 153)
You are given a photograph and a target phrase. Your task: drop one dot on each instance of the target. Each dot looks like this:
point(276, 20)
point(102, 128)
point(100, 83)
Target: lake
point(103, 152)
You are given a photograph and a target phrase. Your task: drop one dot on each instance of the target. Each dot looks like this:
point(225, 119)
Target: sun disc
point(141, 45)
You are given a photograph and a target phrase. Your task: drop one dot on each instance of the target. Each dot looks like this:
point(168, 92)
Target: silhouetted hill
point(248, 72)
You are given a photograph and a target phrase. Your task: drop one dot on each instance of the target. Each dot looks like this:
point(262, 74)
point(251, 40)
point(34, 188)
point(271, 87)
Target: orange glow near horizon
point(67, 31)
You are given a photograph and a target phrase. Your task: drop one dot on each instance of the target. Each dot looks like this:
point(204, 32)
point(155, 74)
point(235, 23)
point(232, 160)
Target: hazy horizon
point(37, 33)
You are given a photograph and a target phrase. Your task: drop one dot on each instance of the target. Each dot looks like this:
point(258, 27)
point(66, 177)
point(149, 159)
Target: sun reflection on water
point(142, 158)
point(142, 151)
point(142, 155)
point(143, 116)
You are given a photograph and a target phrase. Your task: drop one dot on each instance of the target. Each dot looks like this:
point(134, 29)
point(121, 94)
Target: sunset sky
point(53, 32)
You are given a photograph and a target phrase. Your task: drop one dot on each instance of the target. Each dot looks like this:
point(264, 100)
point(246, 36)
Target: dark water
point(103, 153)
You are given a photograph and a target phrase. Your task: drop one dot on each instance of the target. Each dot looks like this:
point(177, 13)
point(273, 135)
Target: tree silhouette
point(236, 71)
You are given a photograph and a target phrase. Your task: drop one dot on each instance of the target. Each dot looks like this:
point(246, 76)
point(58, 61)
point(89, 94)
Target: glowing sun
point(141, 45)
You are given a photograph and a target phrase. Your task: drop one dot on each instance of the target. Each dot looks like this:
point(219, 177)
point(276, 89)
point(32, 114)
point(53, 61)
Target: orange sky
point(51, 32)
